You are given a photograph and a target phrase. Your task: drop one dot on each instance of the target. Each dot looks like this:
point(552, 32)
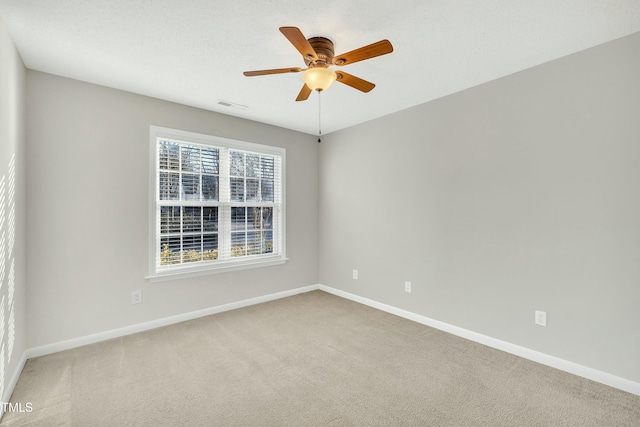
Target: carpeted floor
point(309, 360)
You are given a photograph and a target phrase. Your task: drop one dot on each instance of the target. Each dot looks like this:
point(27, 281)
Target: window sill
point(178, 274)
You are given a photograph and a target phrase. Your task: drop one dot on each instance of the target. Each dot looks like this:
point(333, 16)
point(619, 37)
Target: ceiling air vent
point(232, 105)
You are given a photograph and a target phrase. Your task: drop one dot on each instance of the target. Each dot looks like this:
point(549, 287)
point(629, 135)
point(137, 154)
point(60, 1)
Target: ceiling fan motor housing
point(324, 50)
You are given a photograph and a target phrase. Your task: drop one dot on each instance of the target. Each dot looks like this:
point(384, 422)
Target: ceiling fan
point(318, 54)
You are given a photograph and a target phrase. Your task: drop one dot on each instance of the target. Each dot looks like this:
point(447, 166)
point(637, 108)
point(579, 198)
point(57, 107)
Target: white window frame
point(200, 268)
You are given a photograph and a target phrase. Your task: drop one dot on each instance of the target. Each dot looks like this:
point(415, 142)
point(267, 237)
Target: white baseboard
point(140, 327)
point(11, 385)
point(526, 353)
point(536, 356)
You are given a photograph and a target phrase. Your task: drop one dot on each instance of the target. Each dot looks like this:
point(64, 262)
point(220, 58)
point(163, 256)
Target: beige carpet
point(311, 359)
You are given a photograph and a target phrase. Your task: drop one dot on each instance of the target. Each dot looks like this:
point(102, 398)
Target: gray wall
point(88, 157)
point(521, 194)
point(12, 212)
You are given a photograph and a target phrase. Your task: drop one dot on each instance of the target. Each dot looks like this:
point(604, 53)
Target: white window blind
point(216, 204)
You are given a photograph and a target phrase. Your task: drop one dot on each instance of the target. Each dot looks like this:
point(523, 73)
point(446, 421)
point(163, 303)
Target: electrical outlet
point(407, 287)
point(136, 297)
point(355, 274)
point(541, 318)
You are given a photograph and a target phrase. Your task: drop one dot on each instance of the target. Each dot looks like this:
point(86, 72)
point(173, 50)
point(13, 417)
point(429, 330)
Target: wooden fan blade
point(366, 52)
point(304, 93)
point(274, 71)
point(300, 42)
point(354, 82)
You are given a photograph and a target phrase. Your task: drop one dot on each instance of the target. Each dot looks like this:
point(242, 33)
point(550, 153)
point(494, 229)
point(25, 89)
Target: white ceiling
point(194, 51)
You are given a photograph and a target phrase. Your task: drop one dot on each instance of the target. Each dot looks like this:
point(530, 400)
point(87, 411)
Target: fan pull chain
point(319, 117)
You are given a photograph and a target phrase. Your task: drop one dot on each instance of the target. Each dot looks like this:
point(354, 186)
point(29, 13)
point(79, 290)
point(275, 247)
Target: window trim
point(200, 268)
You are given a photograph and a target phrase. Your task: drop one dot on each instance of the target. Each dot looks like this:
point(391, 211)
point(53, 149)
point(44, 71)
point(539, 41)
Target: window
point(215, 204)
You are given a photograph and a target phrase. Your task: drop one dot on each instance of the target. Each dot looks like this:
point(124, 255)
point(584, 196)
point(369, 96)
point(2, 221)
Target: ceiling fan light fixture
point(318, 78)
